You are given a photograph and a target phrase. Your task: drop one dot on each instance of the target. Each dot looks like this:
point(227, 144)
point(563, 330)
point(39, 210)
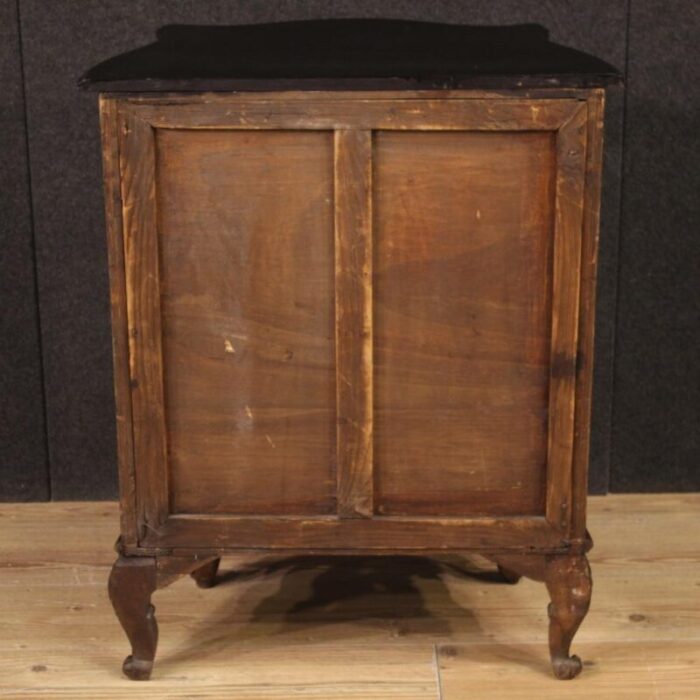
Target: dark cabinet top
point(339, 54)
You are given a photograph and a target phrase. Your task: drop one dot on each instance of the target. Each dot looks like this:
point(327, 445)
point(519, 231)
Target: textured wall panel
point(23, 463)
point(656, 438)
point(61, 39)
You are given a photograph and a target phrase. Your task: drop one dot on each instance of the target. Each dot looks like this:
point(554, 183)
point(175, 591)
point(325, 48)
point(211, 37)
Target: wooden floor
point(357, 628)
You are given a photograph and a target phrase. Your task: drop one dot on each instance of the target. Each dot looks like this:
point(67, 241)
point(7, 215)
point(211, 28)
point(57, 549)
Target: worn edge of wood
point(214, 552)
point(353, 322)
point(237, 111)
point(188, 531)
point(207, 96)
point(586, 335)
point(434, 82)
point(137, 167)
point(109, 128)
point(566, 267)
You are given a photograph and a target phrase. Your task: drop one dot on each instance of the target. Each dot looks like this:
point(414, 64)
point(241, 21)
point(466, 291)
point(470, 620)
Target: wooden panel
point(353, 260)
point(463, 229)
point(246, 233)
point(137, 164)
point(214, 111)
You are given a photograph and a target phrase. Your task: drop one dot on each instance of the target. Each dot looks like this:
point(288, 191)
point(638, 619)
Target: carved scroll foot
point(509, 575)
point(205, 576)
point(131, 583)
point(568, 580)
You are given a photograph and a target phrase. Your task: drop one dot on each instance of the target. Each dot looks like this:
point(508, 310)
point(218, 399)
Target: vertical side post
point(568, 231)
point(120, 322)
point(137, 156)
point(589, 256)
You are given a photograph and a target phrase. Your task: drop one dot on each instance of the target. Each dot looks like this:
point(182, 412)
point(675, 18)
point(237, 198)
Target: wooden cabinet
point(352, 320)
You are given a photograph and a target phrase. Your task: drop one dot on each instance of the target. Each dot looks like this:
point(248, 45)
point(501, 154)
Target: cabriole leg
point(131, 583)
point(568, 580)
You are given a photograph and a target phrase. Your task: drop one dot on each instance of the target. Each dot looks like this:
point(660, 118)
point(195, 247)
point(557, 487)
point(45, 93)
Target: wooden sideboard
point(352, 312)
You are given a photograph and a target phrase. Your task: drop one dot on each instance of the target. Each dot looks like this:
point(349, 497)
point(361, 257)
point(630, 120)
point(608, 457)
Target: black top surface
point(348, 54)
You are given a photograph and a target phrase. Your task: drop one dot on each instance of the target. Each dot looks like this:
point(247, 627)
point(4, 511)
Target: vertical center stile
point(353, 321)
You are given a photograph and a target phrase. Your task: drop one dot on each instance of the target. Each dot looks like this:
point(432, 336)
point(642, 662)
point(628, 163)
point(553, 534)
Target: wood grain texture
point(566, 269)
point(626, 669)
point(463, 227)
point(345, 96)
point(302, 271)
point(365, 627)
point(137, 161)
point(359, 534)
point(246, 238)
point(120, 322)
point(240, 111)
point(587, 305)
point(353, 321)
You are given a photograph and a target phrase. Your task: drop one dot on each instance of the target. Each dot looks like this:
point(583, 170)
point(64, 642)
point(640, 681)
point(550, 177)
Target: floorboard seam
point(436, 667)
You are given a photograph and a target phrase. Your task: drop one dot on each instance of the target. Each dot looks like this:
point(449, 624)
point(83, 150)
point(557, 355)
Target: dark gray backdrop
point(56, 409)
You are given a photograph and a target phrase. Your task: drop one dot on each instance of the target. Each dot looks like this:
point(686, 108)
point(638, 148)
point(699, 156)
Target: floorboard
point(302, 627)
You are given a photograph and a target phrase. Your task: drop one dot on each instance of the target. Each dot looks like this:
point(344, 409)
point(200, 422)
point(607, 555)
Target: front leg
point(568, 580)
point(205, 576)
point(509, 575)
point(131, 583)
